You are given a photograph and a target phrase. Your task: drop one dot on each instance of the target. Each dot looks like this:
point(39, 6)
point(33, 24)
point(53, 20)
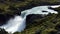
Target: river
point(18, 22)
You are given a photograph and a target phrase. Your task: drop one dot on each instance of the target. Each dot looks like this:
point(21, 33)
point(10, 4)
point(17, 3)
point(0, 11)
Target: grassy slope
point(46, 26)
point(20, 4)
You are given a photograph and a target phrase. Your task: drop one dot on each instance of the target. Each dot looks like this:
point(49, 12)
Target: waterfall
point(18, 22)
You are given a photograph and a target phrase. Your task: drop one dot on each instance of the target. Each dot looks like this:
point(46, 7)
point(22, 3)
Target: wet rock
point(50, 8)
point(44, 11)
point(2, 31)
point(4, 18)
point(30, 19)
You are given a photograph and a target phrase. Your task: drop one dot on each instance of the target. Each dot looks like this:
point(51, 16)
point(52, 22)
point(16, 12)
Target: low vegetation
point(48, 25)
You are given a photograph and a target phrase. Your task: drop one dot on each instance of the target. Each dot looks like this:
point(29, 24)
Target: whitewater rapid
point(18, 22)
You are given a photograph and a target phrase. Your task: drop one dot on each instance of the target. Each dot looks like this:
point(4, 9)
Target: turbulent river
point(18, 22)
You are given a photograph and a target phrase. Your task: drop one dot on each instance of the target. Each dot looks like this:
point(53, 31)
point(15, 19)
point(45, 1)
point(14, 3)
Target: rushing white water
point(56, 6)
point(14, 24)
point(18, 22)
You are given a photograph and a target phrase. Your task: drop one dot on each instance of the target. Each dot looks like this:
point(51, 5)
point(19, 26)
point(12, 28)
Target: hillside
point(49, 24)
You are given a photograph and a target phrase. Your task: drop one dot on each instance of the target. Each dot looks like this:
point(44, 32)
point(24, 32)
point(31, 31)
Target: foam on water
point(14, 24)
point(55, 6)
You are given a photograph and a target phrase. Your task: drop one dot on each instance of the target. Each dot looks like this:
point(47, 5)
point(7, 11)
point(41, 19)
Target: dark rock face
point(57, 27)
point(30, 18)
point(51, 8)
point(2, 31)
point(44, 11)
point(2, 1)
point(58, 32)
point(4, 18)
point(53, 32)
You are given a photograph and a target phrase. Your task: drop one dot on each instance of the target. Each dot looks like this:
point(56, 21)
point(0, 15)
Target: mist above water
point(18, 22)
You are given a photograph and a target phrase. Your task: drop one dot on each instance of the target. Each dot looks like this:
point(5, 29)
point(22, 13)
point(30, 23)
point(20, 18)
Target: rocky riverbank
point(9, 8)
